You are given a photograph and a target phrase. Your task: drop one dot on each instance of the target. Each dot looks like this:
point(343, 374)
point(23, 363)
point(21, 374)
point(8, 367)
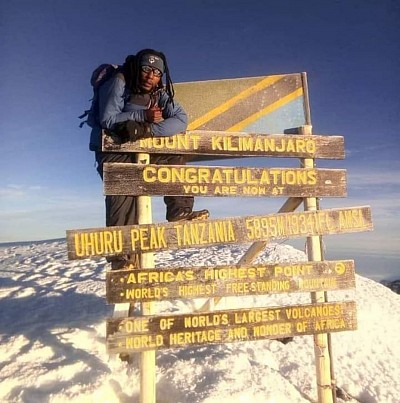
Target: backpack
point(99, 76)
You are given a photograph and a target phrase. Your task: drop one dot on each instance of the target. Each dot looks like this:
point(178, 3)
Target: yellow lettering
point(204, 233)
point(137, 325)
point(144, 342)
point(292, 271)
point(98, 243)
point(237, 333)
point(276, 329)
point(144, 294)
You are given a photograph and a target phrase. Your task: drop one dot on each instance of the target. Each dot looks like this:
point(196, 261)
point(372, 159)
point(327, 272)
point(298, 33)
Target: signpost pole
point(147, 358)
point(321, 349)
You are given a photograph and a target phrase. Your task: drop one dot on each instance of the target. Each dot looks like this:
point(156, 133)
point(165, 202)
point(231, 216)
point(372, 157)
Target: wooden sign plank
point(164, 180)
point(234, 144)
point(224, 281)
point(120, 240)
point(178, 331)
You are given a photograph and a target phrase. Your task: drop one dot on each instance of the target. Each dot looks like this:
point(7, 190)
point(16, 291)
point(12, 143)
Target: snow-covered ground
point(52, 338)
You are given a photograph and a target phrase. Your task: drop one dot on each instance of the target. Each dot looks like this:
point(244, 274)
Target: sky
point(49, 49)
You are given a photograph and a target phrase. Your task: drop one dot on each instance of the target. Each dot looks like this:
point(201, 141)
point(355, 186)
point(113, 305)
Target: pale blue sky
point(49, 48)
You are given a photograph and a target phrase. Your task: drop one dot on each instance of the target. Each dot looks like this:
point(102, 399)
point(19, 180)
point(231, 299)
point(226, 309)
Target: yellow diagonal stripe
point(266, 82)
point(270, 108)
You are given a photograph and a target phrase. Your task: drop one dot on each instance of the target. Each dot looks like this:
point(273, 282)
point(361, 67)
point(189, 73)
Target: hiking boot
point(187, 215)
point(285, 340)
point(124, 262)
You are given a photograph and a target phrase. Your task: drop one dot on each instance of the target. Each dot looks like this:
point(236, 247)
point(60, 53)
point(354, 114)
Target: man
point(135, 104)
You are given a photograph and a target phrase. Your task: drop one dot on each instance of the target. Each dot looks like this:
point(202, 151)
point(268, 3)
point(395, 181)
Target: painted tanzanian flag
point(269, 104)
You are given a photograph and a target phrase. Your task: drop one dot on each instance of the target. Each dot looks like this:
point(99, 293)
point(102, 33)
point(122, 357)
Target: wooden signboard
point(110, 241)
point(158, 332)
point(265, 104)
point(223, 281)
point(164, 180)
point(235, 144)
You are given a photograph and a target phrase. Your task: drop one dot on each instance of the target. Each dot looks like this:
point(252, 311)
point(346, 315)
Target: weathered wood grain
point(108, 241)
point(178, 331)
point(169, 283)
point(234, 144)
point(164, 180)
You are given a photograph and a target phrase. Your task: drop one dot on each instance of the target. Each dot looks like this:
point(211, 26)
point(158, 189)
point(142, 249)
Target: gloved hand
point(132, 131)
point(137, 131)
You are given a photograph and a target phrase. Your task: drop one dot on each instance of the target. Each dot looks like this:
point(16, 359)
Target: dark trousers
point(121, 210)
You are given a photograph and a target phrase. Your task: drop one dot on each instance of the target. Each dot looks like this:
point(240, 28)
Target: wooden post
point(321, 348)
point(147, 358)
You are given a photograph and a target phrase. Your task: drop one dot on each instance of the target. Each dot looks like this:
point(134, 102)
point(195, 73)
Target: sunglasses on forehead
point(149, 69)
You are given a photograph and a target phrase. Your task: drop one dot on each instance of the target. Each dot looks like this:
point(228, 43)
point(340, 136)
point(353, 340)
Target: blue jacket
point(114, 107)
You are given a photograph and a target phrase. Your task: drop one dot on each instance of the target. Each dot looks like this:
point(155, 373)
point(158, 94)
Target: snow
point(52, 338)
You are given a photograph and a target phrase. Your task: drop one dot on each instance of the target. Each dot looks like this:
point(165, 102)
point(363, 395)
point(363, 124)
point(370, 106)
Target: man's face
point(149, 79)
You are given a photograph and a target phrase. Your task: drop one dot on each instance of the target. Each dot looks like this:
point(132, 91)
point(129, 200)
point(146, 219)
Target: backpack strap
point(120, 76)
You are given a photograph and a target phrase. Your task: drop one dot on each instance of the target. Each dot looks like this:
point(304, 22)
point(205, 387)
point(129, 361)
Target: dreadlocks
point(131, 71)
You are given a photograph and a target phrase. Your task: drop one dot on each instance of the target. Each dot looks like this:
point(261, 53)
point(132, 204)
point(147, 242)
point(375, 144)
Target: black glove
point(132, 131)
point(137, 131)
